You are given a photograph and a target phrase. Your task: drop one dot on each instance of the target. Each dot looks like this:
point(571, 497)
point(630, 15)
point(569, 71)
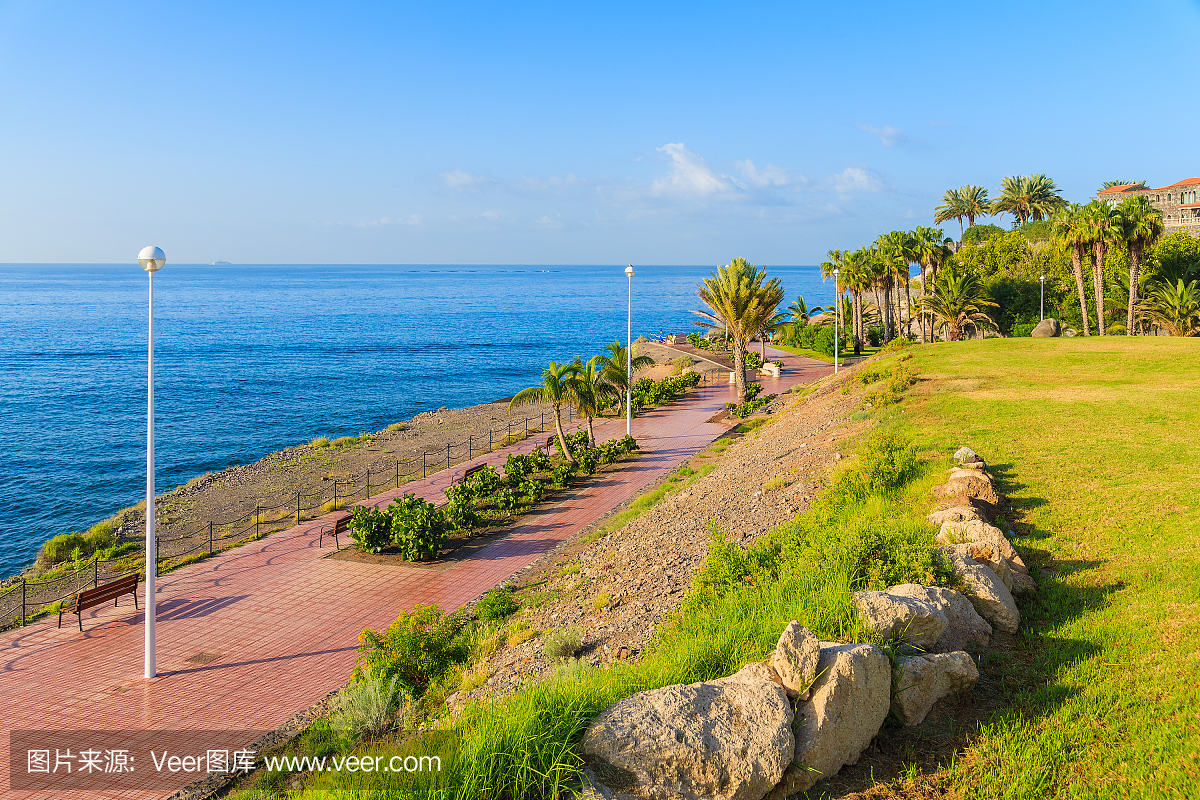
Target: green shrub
point(419, 528)
point(562, 476)
point(343, 441)
point(516, 467)
point(681, 363)
point(1023, 329)
point(538, 461)
point(609, 452)
point(461, 514)
point(629, 444)
point(367, 705)
point(532, 491)
point(884, 464)
point(320, 441)
point(753, 390)
point(65, 546)
point(417, 648)
point(743, 410)
point(562, 643)
point(589, 459)
point(370, 529)
point(498, 603)
point(505, 499)
point(485, 481)
point(101, 535)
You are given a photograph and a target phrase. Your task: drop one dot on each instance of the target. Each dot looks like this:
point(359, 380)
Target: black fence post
point(489, 440)
point(397, 473)
point(95, 572)
point(335, 483)
point(470, 445)
point(297, 508)
point(22, 602)
point(210, 538)
point(257, 521)
point(422, 463)
point(447, 455)
point(368, 482)
point(157, 557)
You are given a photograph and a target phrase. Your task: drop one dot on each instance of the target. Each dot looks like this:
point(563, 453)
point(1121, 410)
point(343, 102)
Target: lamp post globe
point(629, 358)
point(151, 259)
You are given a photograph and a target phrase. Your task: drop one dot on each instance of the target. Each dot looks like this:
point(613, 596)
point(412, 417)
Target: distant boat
point(222, 264)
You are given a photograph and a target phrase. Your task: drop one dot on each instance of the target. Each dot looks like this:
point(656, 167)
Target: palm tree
point(836, 261)
point(589, 390)
point(1175, 307)
point(857, 278)
point(799, 312)
point(959, 300)
point(556, 389)
point(894, 256)
point(1101, 229)
point(1028, 198)
point(614, 372)
point(969, 202)
point(1141, 226)
point(928, 251)
point(742, 301)
point(1070, 234)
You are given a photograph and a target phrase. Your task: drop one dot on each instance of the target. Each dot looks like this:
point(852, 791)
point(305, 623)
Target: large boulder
point(989, 595)
point(795, 659)
point(966, 629)
point(987, 554)
point(729, 740)
point(891, 616)
point(965, 454)
point(969, 487)
point(1047, 327)
point(849, 703)
point(955, 514)
point(956, 532)
point(920, 681)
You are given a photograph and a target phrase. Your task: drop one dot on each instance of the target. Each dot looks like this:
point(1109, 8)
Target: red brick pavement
point(285, 621)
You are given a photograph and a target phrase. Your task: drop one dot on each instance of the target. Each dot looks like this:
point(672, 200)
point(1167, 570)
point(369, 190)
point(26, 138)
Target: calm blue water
point(250, 359)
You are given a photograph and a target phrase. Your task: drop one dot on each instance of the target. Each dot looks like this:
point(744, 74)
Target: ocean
point(253, 358)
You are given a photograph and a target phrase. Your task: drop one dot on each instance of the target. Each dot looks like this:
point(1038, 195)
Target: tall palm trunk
point(1098, 248)
point(739, 372)
point(878, 305)
point(908, 301)
point(1077, 264)
point(591, 433)
point(562, 437)
point(1135, 270)
point(858, 322)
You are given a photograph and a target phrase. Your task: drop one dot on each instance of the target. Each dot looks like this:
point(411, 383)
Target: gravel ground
point(645, 568)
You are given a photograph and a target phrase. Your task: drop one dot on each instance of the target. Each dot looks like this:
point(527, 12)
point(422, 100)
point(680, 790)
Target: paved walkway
point(250, 637)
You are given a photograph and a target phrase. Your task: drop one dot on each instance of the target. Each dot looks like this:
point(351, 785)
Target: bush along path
point(859, 564)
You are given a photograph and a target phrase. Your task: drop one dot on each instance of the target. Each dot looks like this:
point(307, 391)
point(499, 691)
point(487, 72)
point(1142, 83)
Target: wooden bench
point(340, 525)
point(126, 584)
point(469, 471)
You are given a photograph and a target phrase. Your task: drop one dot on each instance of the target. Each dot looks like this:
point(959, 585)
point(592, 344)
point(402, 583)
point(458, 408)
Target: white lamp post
point(629, 359)
point(837, 310)
point(1042, 302)
point(152, 260)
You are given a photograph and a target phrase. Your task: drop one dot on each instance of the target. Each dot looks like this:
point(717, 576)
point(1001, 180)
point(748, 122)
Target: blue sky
point(562, 133)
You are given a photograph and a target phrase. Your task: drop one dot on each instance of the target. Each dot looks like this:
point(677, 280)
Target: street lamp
point(1042, 302)
point(629, 359)
point(837, 309)
point(152, 260)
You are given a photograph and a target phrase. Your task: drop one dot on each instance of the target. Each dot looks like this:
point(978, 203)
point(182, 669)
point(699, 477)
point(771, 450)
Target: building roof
point(1191, 205)
point(1127, 187)
point(1184, 182)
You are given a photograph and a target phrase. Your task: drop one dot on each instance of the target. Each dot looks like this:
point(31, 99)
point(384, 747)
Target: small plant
point(602, 601)
point(498, 603)
point(343, 441)
point(366, 706)
point(418, 528)
point(538, 461)
point(562, 476)
point(678, 365)
point(397, 426)
point(518, 632)
point(320, 441)
point(505, 499)
point(62, 547)
point(589, 459)
point(562, 643)
point(629, 444)
point(532, 492)
point(573, 669)
point(515, 469)
point(418, 648)
point(775, 484)
point(753, 360)
point(461, 514)
point(570, 569)
point(370, 529)
point(753, 390)
point(485, 481)
point(474, 677)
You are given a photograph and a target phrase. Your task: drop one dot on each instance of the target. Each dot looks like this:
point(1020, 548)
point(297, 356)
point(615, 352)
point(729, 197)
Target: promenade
point(252, 636)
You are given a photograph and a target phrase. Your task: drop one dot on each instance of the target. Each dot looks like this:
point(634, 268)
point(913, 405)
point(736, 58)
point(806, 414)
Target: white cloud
point(887, 134)
point(689, 175)
point(550, 222)
point(412, 219)
point(855, 179)
point(770, 175)
point(494, 215)
point(458, 179)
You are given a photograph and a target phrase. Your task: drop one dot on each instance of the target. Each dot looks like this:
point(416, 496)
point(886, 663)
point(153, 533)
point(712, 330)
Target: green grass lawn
point(1098, 445)
point(804, 351)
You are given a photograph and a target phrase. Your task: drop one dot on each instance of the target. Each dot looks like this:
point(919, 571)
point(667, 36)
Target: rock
point(728, 740)
point(955, 514)
point(754, 673)
point(953, 532)
point(849, 703)
point(989, 595)
point(966, 631)
point(1023, 583)
point(1047, 327)
point(987, 554)
point(970, 472)
point(891, 616)
point(921, 681)
point(795, 659)
point(969, 487)
point(965, 454)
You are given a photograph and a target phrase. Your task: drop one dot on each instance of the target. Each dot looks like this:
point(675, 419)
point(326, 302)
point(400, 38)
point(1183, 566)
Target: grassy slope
point(1098, 441)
